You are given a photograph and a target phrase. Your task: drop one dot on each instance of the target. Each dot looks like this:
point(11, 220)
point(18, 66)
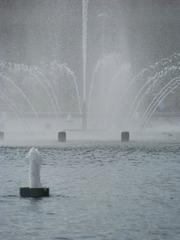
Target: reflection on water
point(98, 191)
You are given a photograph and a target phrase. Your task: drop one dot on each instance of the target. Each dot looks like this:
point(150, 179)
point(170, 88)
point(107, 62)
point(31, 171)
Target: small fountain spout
point(35, 189)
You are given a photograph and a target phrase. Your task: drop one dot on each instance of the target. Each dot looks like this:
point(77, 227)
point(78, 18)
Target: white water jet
point(109, 79)
point(35, 166)
point(84, 58)
point(21, 92)
point(162, 94)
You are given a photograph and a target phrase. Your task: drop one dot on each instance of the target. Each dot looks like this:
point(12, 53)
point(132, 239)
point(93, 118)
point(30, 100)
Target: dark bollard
point(1, 135)
point(33, 192)
point(125, 136)
point(61, 136)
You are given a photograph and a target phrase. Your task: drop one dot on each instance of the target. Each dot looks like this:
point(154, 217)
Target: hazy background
point(34, 31)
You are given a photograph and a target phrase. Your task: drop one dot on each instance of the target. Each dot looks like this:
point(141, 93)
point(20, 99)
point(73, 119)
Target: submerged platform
point(33, 192)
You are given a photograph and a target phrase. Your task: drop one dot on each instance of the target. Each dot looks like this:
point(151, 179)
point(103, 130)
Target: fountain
point(115, 101)
point(109, 79)
point(32, 95)
point(47, 95)
point(155, 83)
point(35, 188)
point(87, 85)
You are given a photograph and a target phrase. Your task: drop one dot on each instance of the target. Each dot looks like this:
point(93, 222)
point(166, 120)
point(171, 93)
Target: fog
point(126, 40)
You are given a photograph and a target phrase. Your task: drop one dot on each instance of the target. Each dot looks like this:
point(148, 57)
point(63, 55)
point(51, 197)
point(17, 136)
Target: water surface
point(98, 191)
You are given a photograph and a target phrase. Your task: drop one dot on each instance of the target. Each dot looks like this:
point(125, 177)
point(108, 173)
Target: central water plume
point(109, 80)
point(84, 58)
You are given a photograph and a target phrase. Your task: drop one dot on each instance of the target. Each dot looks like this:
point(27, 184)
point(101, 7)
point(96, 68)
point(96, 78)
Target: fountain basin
point(34, 192)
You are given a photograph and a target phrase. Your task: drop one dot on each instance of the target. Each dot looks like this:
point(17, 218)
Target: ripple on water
point(98, 191)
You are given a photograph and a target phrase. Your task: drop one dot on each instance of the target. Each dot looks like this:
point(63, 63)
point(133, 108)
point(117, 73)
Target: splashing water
point(34, 170)
point(109, 79)
point(49, 88)
point(116, 100)
point(84, 58)
point(153, 85)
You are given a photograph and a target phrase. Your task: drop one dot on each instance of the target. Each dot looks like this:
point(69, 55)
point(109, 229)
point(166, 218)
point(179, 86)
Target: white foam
point(34, 170)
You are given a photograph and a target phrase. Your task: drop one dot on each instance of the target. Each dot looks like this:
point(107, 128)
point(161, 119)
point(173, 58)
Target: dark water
point(98, 191)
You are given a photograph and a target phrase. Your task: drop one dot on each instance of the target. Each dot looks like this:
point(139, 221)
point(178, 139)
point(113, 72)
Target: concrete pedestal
point(125, 136)
point(61, 136)
point(1, 135)
point(34, 192)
